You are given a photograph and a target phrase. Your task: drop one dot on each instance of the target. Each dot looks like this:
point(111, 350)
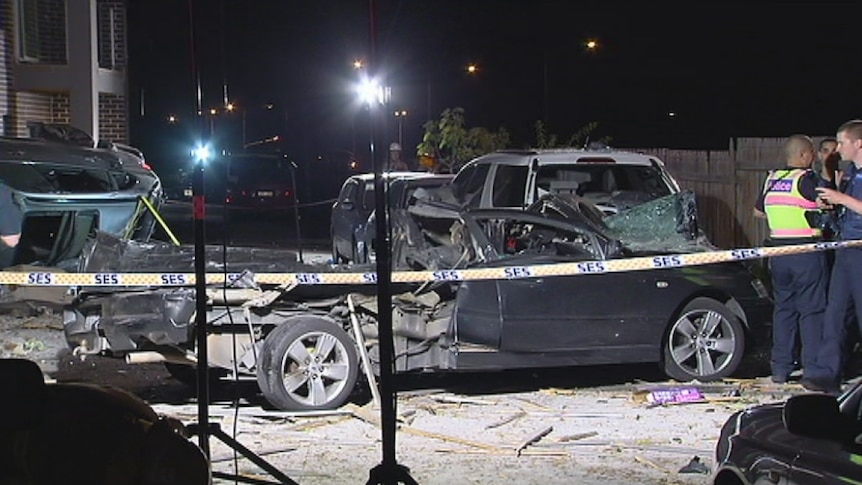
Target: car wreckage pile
point(309, 345)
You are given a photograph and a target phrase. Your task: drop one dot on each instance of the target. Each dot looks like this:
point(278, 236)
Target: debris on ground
point(695, 466)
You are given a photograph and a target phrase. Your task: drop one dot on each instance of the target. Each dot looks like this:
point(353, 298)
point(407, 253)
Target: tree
point(448, 144)
point(579, 139)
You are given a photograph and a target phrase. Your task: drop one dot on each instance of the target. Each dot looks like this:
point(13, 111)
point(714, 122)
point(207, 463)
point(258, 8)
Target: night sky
point(724, 69)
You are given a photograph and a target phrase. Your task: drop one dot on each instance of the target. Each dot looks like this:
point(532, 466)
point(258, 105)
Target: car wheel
point(705, 342)
point(307, 364)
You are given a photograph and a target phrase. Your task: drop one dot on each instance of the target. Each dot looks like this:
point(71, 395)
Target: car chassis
point(304, 343)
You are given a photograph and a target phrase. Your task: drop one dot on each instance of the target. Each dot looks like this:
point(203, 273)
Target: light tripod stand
point(203, 429)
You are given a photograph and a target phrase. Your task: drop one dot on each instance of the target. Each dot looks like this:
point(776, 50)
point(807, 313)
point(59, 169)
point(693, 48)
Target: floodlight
point(370, 91)
point(201, 153)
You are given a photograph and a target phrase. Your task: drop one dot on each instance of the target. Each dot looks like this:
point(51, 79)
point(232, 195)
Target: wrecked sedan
point(67, 192)
point(303, 343)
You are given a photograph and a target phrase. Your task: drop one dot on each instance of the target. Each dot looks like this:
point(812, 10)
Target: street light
point(472, 68)
point(400, 114)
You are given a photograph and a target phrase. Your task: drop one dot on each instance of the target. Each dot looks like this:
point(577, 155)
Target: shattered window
point(665, 224)
point(47, 178)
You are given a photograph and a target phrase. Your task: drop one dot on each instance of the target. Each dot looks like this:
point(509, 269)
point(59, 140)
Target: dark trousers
point(845, 295)
point(7, 255)
point(799, 282)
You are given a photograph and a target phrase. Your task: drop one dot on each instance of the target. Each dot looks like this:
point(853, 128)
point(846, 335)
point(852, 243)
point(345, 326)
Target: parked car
point(695, 322)
point(401, 195)
point(68, 192)
point(351, 238)
point(808, 439)
point(259, 180)
point(613, 180)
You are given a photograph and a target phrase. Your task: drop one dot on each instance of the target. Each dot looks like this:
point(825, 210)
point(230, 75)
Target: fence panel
point(727, 184)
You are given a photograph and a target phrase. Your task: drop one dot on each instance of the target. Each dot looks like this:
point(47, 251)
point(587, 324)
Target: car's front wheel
point(307, 364)
point(705, 342)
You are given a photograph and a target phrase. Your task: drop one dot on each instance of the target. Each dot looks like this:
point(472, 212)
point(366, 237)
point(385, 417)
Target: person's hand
point(829, 196)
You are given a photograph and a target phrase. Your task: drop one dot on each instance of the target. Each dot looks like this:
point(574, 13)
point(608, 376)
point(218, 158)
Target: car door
point(343, 216)
point(579, 314)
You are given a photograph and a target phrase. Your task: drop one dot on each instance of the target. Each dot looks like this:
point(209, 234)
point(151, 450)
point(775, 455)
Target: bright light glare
point(369, 91)
point(201, 153)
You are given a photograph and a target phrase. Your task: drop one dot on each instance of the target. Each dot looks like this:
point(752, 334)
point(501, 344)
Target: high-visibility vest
point(786, 207)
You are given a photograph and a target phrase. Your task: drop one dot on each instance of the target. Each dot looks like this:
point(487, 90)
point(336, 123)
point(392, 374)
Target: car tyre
point(706, 342)
point(307, 364)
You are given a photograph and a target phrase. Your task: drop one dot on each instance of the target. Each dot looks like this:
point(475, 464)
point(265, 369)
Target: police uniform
point(845, 285)
point(10, 224)
point(798, 280)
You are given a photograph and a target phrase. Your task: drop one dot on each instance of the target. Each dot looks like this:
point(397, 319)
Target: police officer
point(798, 280)
point(845, 286)
point(10, 226)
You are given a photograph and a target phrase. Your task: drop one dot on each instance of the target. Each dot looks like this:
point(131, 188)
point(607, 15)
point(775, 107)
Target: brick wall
point(6, 56)
point(60, 109)
point(30, 107)
point(113, 116)
point(112, 20)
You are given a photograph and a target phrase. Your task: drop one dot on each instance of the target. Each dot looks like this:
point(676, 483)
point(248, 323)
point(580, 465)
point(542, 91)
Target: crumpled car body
point(68, 192)
point(695, 322)
point(764, 444)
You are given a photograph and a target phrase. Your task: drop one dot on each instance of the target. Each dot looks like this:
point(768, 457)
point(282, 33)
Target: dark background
point(724, 69)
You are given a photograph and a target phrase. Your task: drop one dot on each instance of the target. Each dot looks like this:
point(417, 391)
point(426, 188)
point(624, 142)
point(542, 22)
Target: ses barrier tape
point(501, 273)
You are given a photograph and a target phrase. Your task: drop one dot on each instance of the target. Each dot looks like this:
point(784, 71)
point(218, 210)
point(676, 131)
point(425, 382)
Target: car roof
point(548, 156)
point(365, 177)
point(31, 149)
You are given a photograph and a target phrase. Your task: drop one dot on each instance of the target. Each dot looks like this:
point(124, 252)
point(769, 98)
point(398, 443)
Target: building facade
point(64, 61)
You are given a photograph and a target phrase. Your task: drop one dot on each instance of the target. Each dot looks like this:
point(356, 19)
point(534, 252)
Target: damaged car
point(68, 192)
point(306, 344)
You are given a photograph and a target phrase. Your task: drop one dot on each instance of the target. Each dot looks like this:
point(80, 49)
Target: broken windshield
point(667, 224)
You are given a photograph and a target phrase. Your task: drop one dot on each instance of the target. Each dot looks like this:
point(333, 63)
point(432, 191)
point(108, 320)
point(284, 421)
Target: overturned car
point(304, 343)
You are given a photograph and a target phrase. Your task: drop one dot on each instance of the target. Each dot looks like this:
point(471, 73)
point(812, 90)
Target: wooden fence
point(727, 184)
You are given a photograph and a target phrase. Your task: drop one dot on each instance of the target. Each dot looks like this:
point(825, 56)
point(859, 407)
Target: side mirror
point(816, 416)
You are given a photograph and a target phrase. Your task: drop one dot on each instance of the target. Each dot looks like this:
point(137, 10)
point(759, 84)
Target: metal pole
point(199, 214)
point(199, 207)
point(293, 169)
point(389, 471)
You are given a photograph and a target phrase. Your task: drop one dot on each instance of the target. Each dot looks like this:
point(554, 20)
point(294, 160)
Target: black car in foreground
point(304, 342)
point(808, 439)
